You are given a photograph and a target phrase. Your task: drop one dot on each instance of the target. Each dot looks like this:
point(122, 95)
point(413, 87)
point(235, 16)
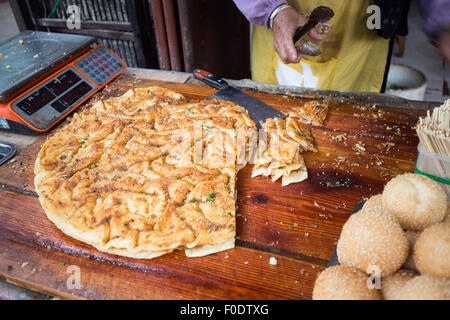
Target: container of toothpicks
point(434, 147)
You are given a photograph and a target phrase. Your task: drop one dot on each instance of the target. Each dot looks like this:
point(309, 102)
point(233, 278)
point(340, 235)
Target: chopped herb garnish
point(96, 173)
point(82, 142)
point(229, 226)
point(290, 227)
point(176, 177)
point(114, 175)
point(150, 168)
point(139, 110)
point(212, 197)
point(87, 137)
point(24, 186)
point(229, 213)
point(319, 106)
point(199, 209)
point(314, 225)
point(193, 200)
point(188, 100)
point(115, 89)
point(93, 166)
point(63, 157)
point(10, 268)
point(72, 165)
point(330, 215)
point(63, 263)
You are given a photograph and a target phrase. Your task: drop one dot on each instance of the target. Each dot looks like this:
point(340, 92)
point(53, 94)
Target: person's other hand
point(284, 26)
point(443, 45)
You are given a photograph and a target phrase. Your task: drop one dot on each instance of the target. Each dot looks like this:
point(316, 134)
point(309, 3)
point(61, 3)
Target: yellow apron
point(353, 57)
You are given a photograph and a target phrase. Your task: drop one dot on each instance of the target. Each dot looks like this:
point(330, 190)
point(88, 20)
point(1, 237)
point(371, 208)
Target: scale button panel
point(100, 65)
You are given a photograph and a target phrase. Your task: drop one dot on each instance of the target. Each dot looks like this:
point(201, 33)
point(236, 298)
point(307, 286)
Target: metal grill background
point(97, 10)
point(117, 24)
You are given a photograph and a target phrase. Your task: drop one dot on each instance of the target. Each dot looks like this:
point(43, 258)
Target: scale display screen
point(50, 91)
point(53, 98)
point(36, 101)
point(63, 82)
point(73, 95)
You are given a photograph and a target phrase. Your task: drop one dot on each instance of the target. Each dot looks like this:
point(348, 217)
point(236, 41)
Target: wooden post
point(21, 14)
point(160, 34)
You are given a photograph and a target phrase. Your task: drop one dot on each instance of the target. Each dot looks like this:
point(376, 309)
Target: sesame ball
point(374, 202)
point(343, 283)
point(432, 250)
point(425, 287)
point(391, 285)
point(373, 239)
point(416, 201)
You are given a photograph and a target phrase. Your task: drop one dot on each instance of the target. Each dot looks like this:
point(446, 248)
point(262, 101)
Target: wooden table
point(360, 148)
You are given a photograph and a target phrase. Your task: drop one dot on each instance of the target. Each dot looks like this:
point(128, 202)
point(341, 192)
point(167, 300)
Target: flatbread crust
point(150, 172)
point(280, 155)
point(123, 177)
point(312, 112)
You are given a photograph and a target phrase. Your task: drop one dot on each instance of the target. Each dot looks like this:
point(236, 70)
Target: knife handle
point(210, 79)
point(302, 31)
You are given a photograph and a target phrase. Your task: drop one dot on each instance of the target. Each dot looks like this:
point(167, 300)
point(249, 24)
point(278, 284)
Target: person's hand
point(443, 45)
point(284, 26)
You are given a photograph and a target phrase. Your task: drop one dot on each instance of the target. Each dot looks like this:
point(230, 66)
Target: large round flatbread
point(123, 176)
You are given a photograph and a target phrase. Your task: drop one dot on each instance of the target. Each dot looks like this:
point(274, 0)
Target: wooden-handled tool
point(320, 14)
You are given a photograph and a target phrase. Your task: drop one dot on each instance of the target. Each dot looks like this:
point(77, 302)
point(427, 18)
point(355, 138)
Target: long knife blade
point(257, 110)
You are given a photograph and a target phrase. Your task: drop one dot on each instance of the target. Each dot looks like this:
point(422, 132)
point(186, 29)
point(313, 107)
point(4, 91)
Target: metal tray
point(7, 151)
point(31, 54)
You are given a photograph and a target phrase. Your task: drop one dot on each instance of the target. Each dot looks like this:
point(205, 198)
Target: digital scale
point(44, 76)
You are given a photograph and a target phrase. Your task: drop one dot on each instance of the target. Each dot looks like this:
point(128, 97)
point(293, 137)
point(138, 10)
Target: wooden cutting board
point(360, 149)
